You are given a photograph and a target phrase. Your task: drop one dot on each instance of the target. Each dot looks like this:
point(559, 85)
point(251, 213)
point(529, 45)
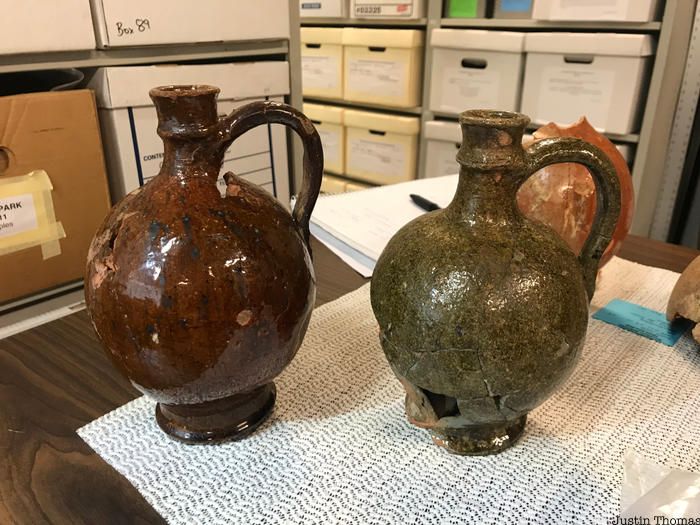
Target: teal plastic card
point(642, 321)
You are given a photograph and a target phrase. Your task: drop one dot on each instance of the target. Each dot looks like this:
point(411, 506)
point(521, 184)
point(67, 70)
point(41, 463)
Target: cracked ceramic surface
point(202, 300)
point(685, 297)
point(483, 312)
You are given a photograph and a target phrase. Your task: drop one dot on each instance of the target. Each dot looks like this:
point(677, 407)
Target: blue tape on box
point(518, 6)
point(641, 321)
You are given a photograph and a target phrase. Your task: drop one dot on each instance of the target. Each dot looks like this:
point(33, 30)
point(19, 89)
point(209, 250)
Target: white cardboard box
point(120, 23)
point(600, 75)
point(38, 26)
point(618, 10)
point(329, 124)
point(323, 8)
point(322, 61)
point(128, 120)
point(383, 66)
point(387, 9)
point(380, 148)
point(476, 69)
point(443, 139)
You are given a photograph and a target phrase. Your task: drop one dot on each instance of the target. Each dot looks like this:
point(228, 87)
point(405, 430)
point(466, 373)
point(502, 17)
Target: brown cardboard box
point(56, 132)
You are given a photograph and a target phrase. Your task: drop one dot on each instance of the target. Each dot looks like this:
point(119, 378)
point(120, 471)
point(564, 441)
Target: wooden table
point(55, 379)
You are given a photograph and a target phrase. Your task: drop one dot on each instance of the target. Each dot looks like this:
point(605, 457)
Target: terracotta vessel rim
point(493, 119)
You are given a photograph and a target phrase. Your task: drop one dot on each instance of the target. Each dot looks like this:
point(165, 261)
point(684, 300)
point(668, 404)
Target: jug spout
point(186, 112)
point(189, 126)
point(492, 140)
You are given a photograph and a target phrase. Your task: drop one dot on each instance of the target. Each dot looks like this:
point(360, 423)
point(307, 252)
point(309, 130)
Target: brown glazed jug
point(202, 300)
point(482, 311)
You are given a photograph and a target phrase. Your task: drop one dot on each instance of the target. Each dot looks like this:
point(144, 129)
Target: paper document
point(357, 226)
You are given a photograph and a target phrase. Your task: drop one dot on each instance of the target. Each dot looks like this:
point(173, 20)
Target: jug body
point(482, 312)
point(202, 300)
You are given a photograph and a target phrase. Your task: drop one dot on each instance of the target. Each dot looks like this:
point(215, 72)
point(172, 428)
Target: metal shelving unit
point(361, 22)
point(673, 36)
point(505, 23)
point(630, 138)
point(652, 141)
point(142, 55)
point(365, 105)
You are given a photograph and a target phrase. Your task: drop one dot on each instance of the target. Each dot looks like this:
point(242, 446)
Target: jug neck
point(492, 167)
point(189, 126)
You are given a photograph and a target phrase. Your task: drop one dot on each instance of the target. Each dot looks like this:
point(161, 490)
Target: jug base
point(480, 440)
point(229, 418)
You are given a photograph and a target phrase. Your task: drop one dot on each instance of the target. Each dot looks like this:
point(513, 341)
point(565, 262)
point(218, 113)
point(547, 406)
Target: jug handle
point(255, 114)
point(567, 149)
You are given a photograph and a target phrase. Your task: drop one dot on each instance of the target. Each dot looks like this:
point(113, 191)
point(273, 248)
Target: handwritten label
point(330, 140)
point(465, 88)
point(566, 93)
point(379, 78)
point(398, 8)
point(320, 72)
point(641, 321)
point(17, 214)
point(387, 160)
point(139, 26)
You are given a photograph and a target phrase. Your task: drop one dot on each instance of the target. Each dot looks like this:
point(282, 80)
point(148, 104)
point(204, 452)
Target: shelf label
point(641, 321)
point(320, 72)
point(589, 10)
point(331, 145)
point(396, 8)
point(465, 88)
point(385, 159)
point(379, 78)
point(566, 93)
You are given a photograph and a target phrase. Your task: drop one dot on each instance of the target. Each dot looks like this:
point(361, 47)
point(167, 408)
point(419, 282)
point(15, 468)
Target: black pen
point(424, 203)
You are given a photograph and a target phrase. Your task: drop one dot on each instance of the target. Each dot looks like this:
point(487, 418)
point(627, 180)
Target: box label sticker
point(320, 72)
point(641, 321)
point(331, 146)
point(463, 8)
point(27, 216)
point(566, 93)
point(589, 9)
point(516, 6)
point(380, 158)
point(398, 8)
point(467, 88)
point(17, 215)
point(379, 78)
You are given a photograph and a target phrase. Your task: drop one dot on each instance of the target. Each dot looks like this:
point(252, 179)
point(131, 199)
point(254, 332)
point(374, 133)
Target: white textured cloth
point(338, 448)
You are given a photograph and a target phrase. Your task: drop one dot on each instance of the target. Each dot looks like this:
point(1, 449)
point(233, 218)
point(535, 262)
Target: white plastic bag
point(656, 492)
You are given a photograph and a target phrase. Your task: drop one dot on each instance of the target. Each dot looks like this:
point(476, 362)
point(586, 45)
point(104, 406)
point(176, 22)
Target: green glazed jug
point(483, 312)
